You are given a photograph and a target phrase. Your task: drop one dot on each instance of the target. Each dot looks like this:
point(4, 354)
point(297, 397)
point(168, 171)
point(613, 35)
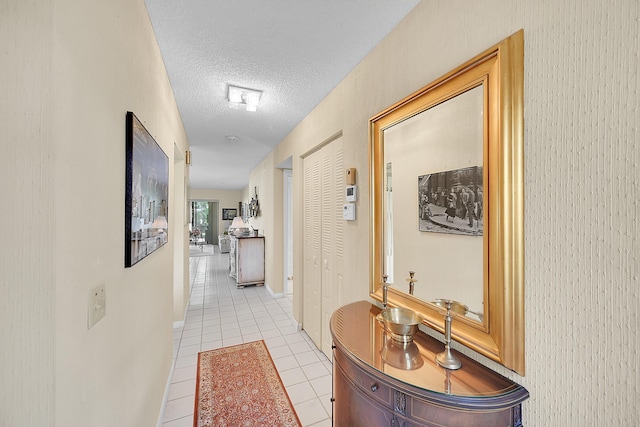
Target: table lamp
point(237, 226)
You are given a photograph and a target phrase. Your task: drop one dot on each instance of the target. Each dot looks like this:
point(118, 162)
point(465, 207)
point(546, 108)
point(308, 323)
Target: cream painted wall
point(269, 222)
point(27, 280)
point(78, 68)
point(581, 154)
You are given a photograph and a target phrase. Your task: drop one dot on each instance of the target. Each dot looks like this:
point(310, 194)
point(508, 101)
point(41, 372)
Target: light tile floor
point(221, 315)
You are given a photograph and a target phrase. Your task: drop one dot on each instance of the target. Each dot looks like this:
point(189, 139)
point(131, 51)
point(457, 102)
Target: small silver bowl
point(400, 323)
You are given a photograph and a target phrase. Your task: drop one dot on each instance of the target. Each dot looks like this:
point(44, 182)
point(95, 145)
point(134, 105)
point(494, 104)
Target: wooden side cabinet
point(380, 382)
point(246, 260)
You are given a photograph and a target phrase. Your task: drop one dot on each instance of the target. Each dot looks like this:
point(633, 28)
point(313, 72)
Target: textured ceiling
point(295, 51)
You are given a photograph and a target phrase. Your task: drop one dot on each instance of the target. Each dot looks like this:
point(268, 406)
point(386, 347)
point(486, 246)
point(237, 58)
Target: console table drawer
point(369, 385)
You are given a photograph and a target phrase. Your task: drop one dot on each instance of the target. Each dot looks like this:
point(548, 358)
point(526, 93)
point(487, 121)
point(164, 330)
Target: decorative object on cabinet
point(412, 281)
point(447, 359)
point(244, 211)
point(377, 383)
point(229, 214)
point(237, 227)
point(146, 193)
point(254, 205)
point(400, 323)
point(481, 100)
point(246, 260)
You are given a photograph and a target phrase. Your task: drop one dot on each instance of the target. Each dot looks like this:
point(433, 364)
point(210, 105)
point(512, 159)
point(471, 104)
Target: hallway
point(220, 315)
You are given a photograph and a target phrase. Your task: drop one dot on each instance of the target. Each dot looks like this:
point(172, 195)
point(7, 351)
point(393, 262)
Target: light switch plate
point(97, 305)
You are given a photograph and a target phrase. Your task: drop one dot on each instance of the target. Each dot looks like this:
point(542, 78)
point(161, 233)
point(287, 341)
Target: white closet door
point(323, 240)
point(311, 285)
point(332, 235)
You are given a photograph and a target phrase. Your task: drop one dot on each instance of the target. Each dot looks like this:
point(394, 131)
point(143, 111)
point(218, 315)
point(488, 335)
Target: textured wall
point(70, 71)
point(106, 62)
point(26, 226)
point(581, 189)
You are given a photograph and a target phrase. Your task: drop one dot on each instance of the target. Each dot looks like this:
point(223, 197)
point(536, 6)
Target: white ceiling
point(295, 51)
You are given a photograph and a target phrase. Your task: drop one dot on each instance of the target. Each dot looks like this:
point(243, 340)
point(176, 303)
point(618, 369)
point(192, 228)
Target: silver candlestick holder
point(411, 281)
point(446, 359)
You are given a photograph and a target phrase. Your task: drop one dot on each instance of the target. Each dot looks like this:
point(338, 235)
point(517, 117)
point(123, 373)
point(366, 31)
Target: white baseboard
point(166, 395)
point(178, 324)
point(273, 294)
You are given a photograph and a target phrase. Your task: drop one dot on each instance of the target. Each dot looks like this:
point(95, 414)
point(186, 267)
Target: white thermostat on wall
point(349, 211)
point(352, 193)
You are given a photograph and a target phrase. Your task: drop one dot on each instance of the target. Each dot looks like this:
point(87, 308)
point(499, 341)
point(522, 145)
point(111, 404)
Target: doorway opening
point(203, 224)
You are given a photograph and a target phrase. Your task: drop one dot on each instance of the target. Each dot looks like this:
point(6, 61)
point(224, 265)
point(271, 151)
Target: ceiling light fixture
point(232, 138)
point(250, 98)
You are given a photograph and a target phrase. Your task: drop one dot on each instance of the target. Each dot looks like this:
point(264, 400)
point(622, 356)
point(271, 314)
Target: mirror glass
point(447, 202)
point(433, 214)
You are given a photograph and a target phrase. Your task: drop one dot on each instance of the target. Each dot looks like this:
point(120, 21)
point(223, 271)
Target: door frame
point(287, 229)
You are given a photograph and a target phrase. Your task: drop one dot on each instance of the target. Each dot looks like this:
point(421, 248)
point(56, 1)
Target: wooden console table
point(380, 382)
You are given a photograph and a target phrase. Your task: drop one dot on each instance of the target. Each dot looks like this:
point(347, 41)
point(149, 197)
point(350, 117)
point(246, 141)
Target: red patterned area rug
point(239, 386)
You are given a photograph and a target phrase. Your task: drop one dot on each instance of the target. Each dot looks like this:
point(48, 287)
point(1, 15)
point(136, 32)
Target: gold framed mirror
point(447, 202)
